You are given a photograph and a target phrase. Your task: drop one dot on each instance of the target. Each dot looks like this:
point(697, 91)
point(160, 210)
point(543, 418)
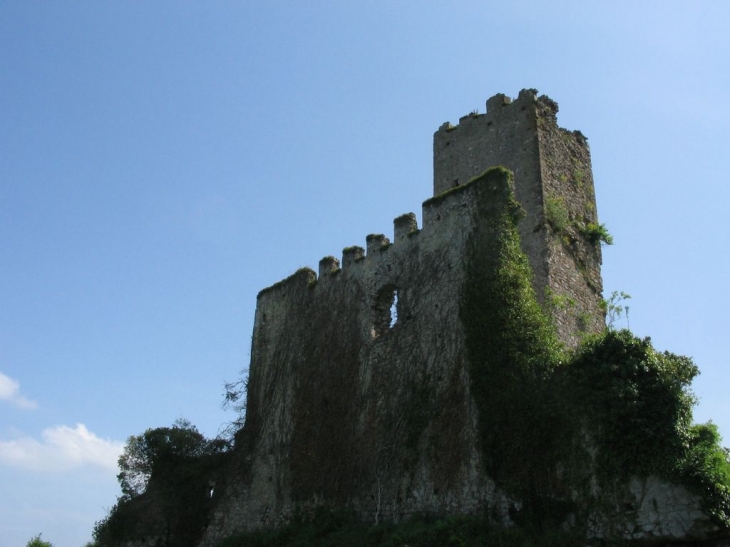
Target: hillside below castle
point(462, 367)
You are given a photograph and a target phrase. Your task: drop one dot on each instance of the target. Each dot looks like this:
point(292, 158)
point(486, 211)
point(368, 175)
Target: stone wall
point(649, 509)
point(356, 400)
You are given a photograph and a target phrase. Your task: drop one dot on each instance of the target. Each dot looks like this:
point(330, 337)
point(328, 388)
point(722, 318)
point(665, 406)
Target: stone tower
point(554, 185)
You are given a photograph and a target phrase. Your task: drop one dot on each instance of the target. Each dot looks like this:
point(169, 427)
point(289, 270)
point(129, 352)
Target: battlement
point(552, 176)
point(482, 140)
point(404, 228)
point(443, 217)
point(501, 105)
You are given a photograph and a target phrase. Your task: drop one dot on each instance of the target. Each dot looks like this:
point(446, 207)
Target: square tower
point(553, 183)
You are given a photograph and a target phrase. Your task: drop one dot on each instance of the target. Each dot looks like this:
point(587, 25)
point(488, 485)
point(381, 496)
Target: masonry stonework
point(359, 393)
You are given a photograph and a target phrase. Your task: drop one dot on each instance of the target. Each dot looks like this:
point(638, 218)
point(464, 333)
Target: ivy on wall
point(512, 351)
point(551, 422)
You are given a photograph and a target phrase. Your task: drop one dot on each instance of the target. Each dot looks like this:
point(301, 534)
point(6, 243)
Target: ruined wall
point(352, 405)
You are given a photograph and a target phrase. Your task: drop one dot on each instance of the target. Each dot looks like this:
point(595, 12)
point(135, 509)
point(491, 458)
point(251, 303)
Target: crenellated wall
point(358, 386)
point(551, 168)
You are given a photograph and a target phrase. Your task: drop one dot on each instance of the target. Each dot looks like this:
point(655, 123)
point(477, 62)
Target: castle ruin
point(359, 391)
point(381, 383)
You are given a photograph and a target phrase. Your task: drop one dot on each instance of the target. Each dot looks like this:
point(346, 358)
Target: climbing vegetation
point(553, 421)
point(556, 213)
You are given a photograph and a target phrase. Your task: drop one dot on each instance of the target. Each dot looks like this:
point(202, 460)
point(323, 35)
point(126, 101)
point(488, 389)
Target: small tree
point(166, 476)
point(615, 308)
point(159, 449)
point(235, 395)
point(38, 542)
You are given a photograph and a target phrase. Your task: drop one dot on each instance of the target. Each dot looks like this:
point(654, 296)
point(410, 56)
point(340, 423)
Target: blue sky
point(161, 162)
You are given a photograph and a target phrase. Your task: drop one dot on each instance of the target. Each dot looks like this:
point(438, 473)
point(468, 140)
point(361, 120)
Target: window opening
point(394, 310)
point(385, 310)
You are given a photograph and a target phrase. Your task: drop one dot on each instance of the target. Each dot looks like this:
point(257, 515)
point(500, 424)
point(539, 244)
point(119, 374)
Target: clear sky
point(161, 162)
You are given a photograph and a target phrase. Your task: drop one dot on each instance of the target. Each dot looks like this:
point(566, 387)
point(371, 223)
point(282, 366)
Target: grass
point(342, 529)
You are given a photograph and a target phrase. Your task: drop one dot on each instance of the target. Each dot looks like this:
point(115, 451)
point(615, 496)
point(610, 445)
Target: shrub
point(597, 233)
point(38, 542)
point(556, 214)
